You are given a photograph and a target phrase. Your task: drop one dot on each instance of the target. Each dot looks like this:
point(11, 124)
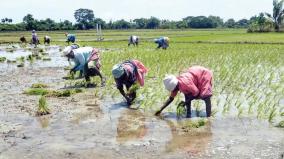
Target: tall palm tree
point(278, 13)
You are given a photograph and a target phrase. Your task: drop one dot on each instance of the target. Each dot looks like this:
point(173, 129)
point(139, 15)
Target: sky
point(131, 9)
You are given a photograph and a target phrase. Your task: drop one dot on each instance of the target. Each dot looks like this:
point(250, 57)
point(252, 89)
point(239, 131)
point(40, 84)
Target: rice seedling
point(67, 68)
point(41, 50)
point(39, 85)
point(46, 58)
point(189, 124)
point(22, 59)
point(30, 58)
point(36, 91)
point(181, 110)
point(3, 59)
point(52, 93)
point(272, 114)
point(21, 65)
point(11, 61)
point(42, 107)
point(281, 124)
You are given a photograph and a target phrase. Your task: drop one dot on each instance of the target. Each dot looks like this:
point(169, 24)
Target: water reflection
point(131, 126)
point(91, 112)
point(43, 121)
point(191, 140)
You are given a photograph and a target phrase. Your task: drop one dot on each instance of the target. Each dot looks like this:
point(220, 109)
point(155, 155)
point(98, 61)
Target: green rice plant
point(36, 91)
point(52, 93)
point(67, 68)
point(189, 124)
point(21, 65)
point(11, 61)
point(133, 88)
point(39, 85)
point(64, 93)
point(3, 59)
point(181, 109)
point(272, 114)
point(280, 124)
point(42, 107)
point(21, 59)
point(240, 111)
point(46, 58)
point(30, 58)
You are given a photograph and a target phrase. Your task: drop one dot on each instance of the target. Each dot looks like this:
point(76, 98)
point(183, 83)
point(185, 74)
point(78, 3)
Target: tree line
point(85, 19)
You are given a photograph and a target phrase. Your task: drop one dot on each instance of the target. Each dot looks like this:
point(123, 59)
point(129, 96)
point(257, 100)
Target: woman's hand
point(158, 113)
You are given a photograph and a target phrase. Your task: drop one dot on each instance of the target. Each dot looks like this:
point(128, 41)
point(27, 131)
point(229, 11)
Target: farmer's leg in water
point(208, 106)
point(124, 95)
point(131, 95)
point(94, 71)
point(188, 99)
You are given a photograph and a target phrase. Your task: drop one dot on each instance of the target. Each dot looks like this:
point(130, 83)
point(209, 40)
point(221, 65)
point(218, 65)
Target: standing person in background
point(195, 83)
point(162, 42)
point(131, 74)
point(134, 40)
point(46, 40)
point(70, 38)
point(35, 39)
point(83, 57)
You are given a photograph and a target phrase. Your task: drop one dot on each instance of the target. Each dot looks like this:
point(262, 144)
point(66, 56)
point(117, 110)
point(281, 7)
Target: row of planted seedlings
point(36, 54)
point(43, 91)
point(247, 78)
point(255, 88)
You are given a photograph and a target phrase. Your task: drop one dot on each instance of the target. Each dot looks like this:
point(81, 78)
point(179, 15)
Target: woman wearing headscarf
point(134, 40)
point(162, 42)
point(131, 74)
point(70, 38)
point(195, 83)
point(82, 57)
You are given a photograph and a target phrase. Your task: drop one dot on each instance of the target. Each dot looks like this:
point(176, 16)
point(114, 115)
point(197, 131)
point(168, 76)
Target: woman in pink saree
point(195, 83)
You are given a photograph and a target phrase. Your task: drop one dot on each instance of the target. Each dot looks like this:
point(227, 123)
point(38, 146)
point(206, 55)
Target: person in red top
point(195, 83)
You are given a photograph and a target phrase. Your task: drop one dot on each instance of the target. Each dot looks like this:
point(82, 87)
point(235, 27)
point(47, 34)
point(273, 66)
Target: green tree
point(66, 25)
point(84, 18)
point(217, 21)
point(29, 22)
point(181, 24)
point(243, 23)
point(230, 23)
point(153, 23)
point(121, 24)
point(260, 24)
point(6, 20)
point(100, 21)
point(140, 23)
point(277, 16)
point(201, 22)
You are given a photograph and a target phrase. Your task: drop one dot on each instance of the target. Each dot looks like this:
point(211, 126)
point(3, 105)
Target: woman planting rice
point(134, 40)
point(131, 74)
point(162, 42)
point(195, 83)
point(83, 57)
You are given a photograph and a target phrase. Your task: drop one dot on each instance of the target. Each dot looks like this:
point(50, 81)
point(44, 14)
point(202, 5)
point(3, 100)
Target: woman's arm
point(167, 103)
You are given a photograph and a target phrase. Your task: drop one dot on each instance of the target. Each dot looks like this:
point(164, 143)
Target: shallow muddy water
point(82, 126)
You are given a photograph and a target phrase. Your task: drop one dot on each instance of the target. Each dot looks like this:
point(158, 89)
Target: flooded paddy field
point(96, 123)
